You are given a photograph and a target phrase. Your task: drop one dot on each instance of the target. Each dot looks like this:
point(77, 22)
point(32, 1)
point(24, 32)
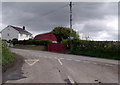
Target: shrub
point(32, 42)
point(45, 42)
point(15, 41)
point(37, 42)
point(65, 41)
point(42, 42)
point(103, 49)
point(30, 38)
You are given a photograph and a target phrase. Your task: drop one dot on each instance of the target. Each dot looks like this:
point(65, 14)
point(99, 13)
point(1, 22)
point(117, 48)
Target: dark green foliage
point(30, 39)
point(32, 42)
point(103, 49)
point(64, 33)
point(65, 41)
point(42, 42)
point(14, 41)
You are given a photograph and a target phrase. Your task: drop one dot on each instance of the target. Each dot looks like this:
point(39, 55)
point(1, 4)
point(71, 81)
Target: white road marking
point(77, 60)
point(60, 62)
point(61, 58)
point(55, 57)
point(71, 80)
point(31, 61)
point(94, 63)
point(108, 65)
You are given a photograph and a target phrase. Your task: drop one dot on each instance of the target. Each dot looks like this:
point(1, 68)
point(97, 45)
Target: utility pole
point(71, 16)
point(70, 23)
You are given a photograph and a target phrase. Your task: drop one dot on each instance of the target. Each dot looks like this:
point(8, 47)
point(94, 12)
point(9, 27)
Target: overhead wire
point(53, 11)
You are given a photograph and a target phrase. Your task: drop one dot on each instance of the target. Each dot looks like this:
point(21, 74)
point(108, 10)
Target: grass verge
point(7, 56)
point(31, 47)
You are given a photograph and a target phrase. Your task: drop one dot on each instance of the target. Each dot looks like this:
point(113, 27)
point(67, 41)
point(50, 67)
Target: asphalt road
point(49, 67)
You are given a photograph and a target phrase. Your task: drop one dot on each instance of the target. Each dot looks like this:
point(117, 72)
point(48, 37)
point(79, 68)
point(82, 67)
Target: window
point(8, 34)
point(26, 35)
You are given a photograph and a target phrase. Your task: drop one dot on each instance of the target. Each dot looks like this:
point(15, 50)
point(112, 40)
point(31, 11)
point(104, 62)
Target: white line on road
point(61, 58)
point(94, 63)
point(55, 57)
point(60, 62)
point(107, 65)
point(110, 65)
point(71, 80)
point(77, 60)
point(31, 61)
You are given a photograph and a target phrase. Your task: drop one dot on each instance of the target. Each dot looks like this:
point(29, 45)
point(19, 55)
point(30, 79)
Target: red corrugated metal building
point(48, 36)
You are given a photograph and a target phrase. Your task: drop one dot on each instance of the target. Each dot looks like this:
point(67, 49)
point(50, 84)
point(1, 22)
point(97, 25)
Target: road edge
point(17, 64)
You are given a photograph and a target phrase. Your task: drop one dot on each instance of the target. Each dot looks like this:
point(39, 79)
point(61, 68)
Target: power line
point(53, 11)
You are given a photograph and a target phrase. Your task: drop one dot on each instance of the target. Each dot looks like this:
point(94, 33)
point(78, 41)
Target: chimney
point(23, 27)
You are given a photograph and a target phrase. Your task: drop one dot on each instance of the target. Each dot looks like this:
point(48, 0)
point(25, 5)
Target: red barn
point(48, 36)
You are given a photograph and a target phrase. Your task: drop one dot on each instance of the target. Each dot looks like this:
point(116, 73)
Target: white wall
point(9, 33)
point(23, 37)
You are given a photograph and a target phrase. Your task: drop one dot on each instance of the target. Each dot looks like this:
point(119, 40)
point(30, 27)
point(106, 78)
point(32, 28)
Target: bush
point(42, 42)
point(37, 42)
point(65, 41)
point(15, 41)
point(45, 42)
point(30, 38)
point(32, 42)
point(103, 49)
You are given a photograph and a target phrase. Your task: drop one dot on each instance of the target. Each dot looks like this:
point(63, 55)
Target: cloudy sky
point(99, 20)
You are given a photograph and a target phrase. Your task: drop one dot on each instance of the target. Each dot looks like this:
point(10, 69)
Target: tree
point(64, 33)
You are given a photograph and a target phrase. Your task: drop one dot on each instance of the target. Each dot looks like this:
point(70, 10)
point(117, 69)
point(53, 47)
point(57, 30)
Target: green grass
point(32, 47)
point(7, 56)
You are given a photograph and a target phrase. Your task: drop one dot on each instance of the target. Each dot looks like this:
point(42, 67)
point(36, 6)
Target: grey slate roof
point(21, 31)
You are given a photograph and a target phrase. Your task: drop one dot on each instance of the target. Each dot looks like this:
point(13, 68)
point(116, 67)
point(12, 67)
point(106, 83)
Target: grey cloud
point(90, 28)
point(88, 11)
point(44, 16)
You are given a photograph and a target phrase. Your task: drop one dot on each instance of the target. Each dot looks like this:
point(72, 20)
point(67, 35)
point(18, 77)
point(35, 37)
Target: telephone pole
point(71, 16)
point(70, 23)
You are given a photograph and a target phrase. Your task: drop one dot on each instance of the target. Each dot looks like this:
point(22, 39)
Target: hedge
point(103, 49)
point(31, 42)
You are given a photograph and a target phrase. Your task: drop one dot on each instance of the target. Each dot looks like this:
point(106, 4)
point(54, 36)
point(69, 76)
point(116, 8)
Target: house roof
point(21, 31)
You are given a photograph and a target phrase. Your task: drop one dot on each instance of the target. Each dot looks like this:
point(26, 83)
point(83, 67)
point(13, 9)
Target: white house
point(11, 32)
